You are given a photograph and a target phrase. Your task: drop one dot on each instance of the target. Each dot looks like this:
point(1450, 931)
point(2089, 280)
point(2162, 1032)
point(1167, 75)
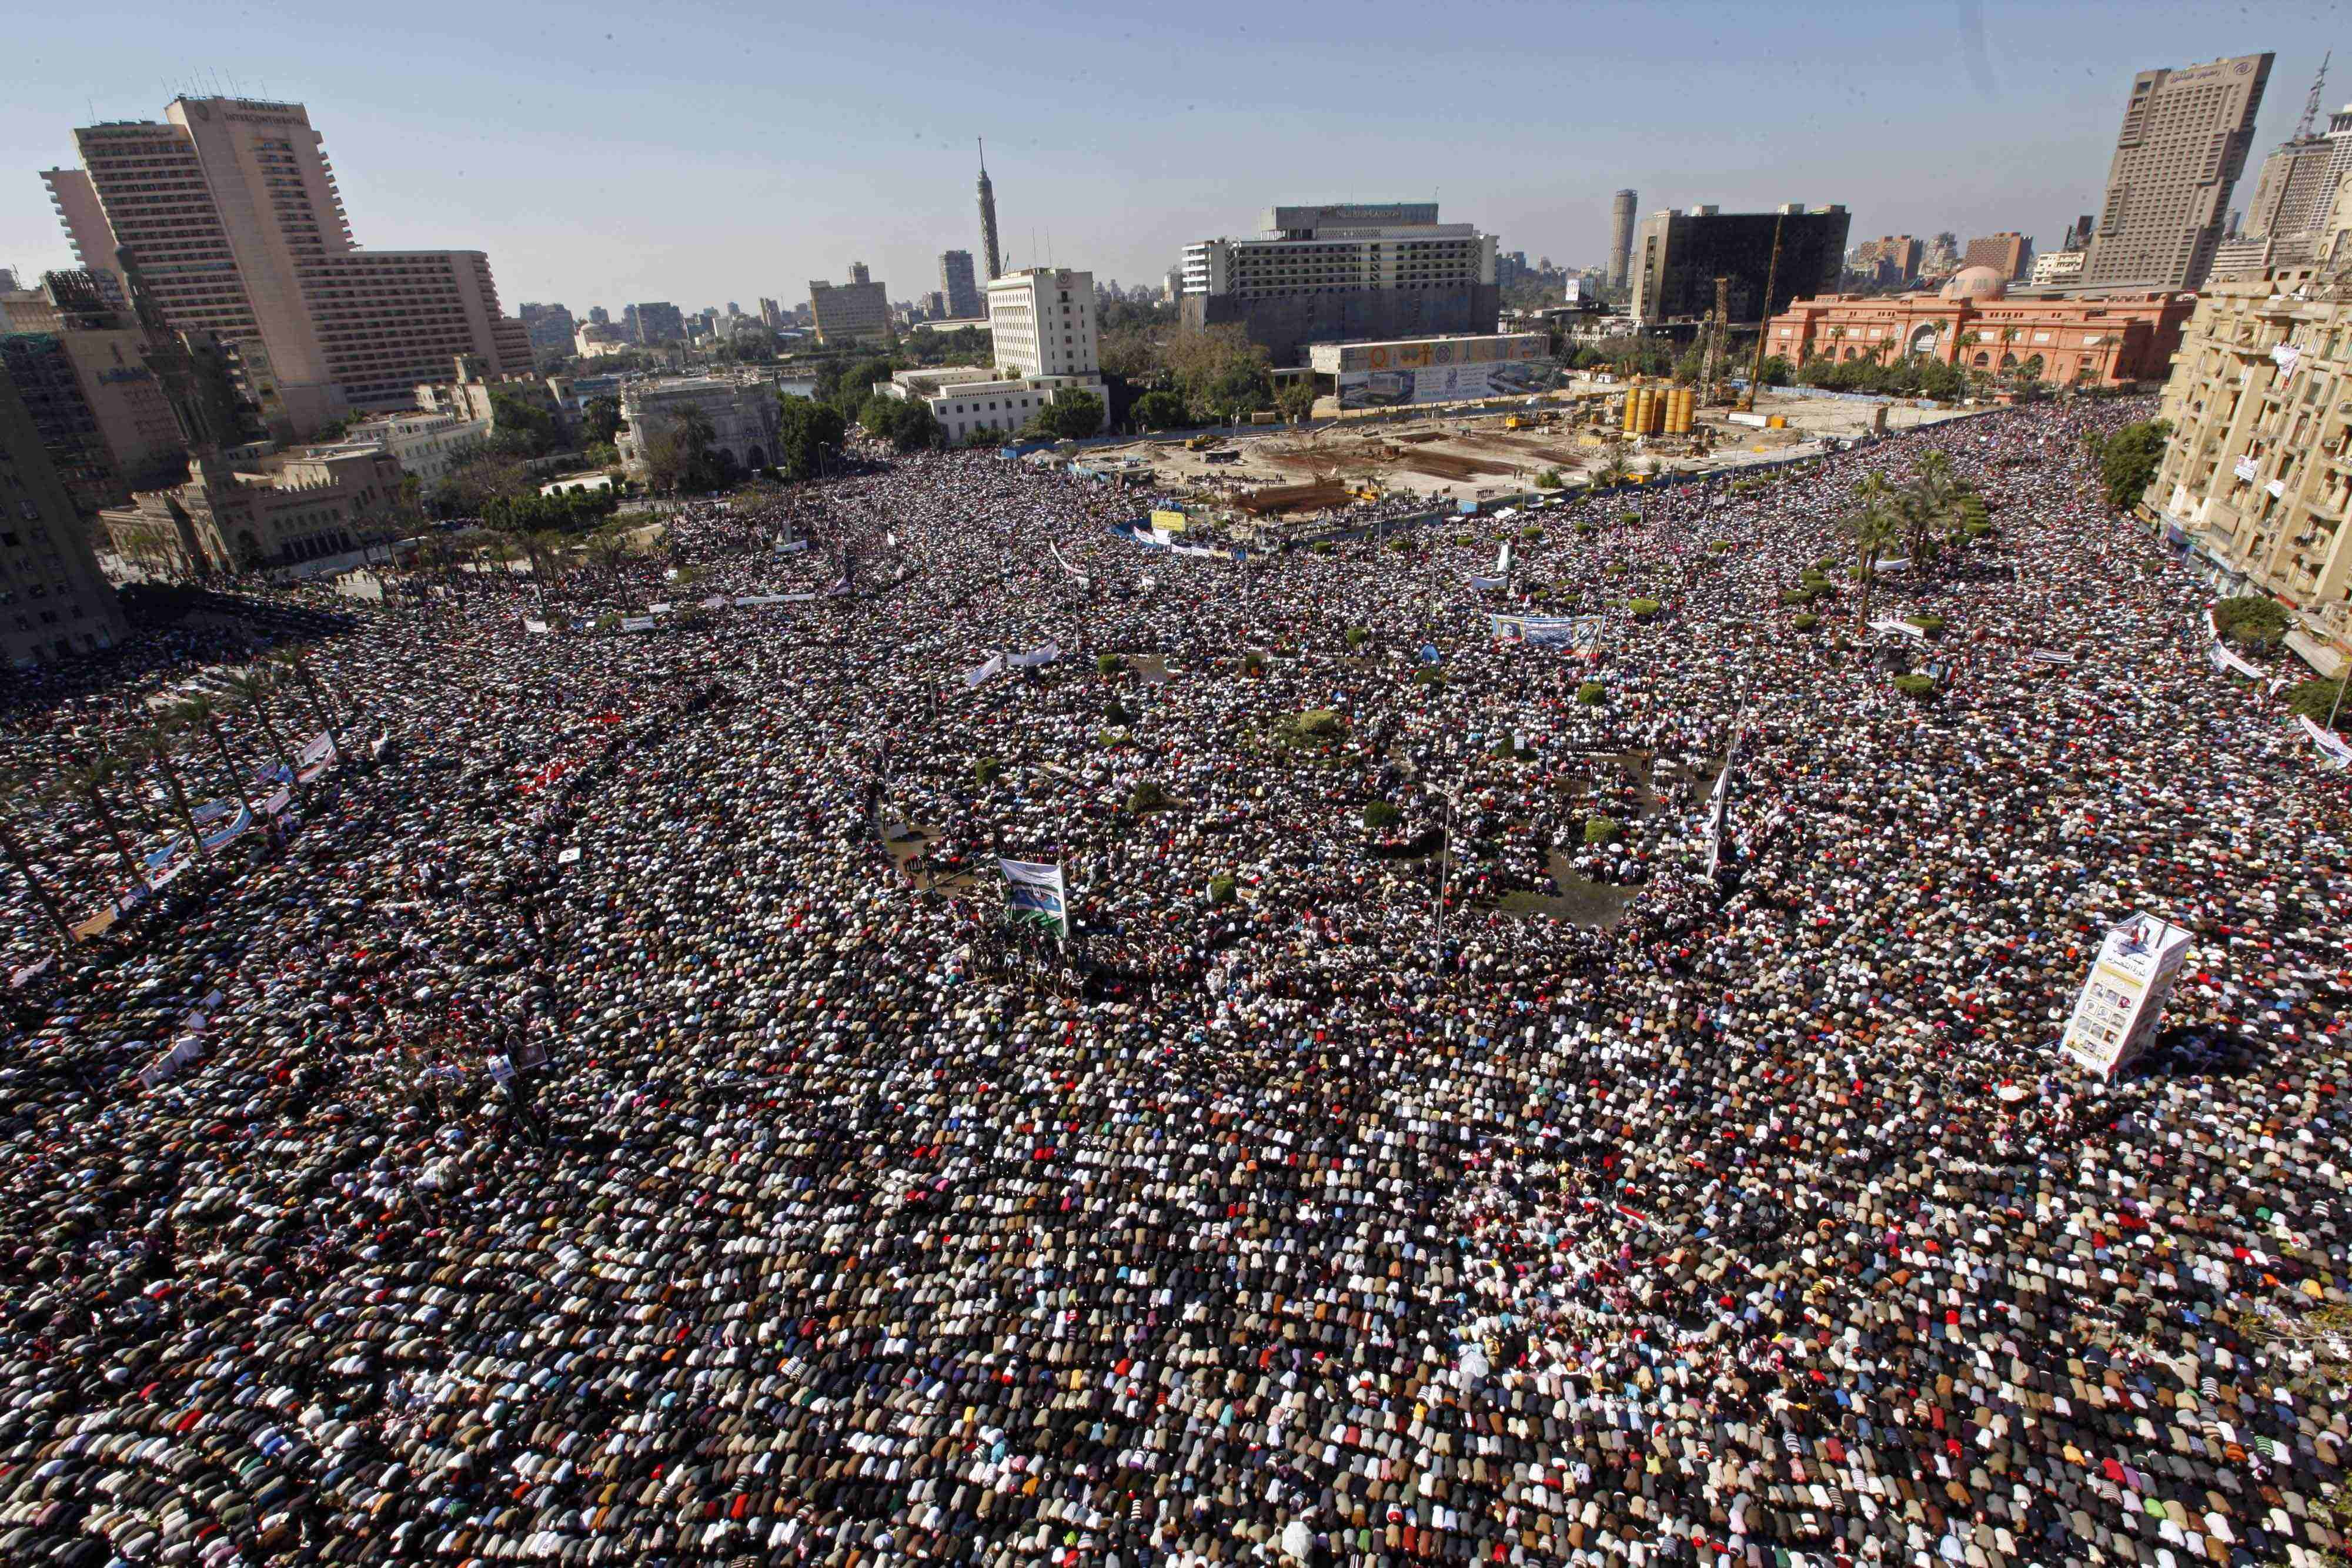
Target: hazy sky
point(700, 152)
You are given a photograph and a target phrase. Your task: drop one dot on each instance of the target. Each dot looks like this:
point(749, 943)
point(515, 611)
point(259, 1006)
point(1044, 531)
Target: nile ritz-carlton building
point(2120, 338)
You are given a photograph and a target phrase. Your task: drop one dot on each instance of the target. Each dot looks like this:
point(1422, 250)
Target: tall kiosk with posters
point(2122, 1004)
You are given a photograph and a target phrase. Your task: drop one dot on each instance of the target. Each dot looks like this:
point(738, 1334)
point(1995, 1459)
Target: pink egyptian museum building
point(2112, 339)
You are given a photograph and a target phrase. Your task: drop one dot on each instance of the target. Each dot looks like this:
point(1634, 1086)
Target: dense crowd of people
point(608, 1120)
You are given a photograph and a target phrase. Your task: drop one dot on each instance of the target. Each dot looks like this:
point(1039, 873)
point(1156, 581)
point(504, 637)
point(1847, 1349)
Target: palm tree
point(203, 711)
point(156, 743)
point(292, 660)
point(250, 689)
point(12, 785)
point(1874, 525)
point(89, 781)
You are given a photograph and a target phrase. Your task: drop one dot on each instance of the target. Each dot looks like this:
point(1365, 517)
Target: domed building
point(1975, 283)
point(2120, 338)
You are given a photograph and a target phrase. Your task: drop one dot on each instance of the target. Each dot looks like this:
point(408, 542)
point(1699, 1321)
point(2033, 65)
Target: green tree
point(469, 487)
point(907, 425)
point(683, 454)
point(12, 844)
point(91, 779)
point(600, 422)
point(1073, 415)
point(809, 437)
point(1934, 506)
point(522, 427)
point(2321, 701)
point(1220, 373)
point(2128, 460)
point(1872, 526)
point(1159, 411)
point(1296, 400)
point(1133, 352)
point(2252, 620)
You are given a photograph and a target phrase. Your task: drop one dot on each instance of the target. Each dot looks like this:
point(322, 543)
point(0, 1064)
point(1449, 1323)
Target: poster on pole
point(1034, 892)
point(2122, 1005)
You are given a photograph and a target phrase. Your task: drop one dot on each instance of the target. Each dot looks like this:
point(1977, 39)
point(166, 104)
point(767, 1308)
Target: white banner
point(982, 674)
point(791, 547)
point(188, 1049)
point(1547, 630)
point(1043, 654)
point(314, 758)
point(1503, 559)
point(1083, 580)
point(2331, 745)
point(1488, 584)
point(2122, 1005)
point(637, 622)
point(1034, 891)
point(539, 628)
point(1720, 797)
point(2225, 660)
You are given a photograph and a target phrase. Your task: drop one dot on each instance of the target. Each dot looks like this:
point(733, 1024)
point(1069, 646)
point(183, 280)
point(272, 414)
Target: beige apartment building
point(227, 211)
point(2256, 481)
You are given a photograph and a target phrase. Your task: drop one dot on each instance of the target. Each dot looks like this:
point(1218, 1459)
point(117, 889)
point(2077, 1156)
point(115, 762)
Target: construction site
point(1582, 436)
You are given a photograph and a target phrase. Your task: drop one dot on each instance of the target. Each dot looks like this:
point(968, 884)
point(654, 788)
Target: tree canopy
point(684, 456)
point(567, 512)
point(2128, 460)
point(907, 425)
point(808, 436)
point(1219, 372)
point(520, 426)
point(1158, 410)
point(600, 422)
point(1073, 415)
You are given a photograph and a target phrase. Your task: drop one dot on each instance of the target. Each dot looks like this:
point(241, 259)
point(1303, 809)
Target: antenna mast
point(2311, 102)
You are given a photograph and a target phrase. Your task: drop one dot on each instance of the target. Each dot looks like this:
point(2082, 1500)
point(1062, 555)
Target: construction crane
point(1718, 344)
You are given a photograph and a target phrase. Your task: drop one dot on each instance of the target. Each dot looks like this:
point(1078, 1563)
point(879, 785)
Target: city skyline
point(703, 164)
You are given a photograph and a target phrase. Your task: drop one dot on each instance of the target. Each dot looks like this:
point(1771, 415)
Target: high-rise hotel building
point(227, 213)
point(2183, 143)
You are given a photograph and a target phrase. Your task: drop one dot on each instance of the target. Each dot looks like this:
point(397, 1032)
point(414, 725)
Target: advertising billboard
point(1442, 383)
point(1430, 353)
point(2122, 1003)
